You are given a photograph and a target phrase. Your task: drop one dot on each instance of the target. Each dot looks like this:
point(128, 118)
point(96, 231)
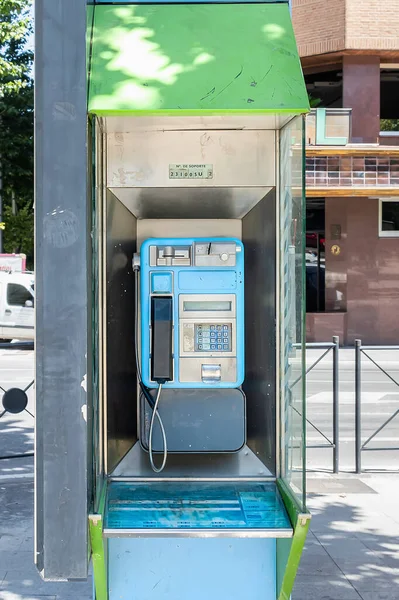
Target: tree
point(389, 124)
point(16, 126)
point(313, 102)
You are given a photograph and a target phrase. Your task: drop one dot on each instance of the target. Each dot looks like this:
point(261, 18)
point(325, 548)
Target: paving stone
point(27, 544)
point(380, 595)
point(17, 560)
point(10, 542)
point(18, 581)
point(4, 595)
point(311, 587)
point(366, 579)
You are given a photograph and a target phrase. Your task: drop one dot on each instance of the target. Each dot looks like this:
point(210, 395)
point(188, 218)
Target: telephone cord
point(165, 448)
point(145, 391)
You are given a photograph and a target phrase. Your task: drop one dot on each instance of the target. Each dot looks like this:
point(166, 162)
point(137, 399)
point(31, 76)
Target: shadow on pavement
point(352, 551)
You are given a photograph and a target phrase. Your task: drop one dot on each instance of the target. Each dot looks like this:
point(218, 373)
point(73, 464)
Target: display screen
point(207, 305)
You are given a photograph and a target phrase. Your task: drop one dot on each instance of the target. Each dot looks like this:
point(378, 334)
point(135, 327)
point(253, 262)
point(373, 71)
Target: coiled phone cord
point(155, 413)
point(147, 395)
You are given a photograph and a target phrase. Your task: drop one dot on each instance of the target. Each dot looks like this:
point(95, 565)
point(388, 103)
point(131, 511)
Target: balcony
point(335, 164)
point(328, 127)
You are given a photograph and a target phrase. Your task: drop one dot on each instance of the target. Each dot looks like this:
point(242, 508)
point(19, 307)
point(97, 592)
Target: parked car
point(17, 300)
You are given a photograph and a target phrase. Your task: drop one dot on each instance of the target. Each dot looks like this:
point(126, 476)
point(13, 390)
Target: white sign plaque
point(190, 171)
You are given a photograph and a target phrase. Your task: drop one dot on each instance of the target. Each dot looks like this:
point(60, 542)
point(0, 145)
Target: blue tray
point(195, 506)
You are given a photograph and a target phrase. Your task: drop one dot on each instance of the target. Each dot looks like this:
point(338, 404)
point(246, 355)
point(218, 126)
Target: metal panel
point(62, 289)
point(259, 238)
point(239, 158)
point(197, 420)
point(203, 203)
point(121, 411)
point(240, 466)
point(211, 569)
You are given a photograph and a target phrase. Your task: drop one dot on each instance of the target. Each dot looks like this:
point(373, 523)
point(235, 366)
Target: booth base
point(202, 539)
point(215, 569)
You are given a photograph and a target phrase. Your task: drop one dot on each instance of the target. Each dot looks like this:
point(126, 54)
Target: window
point(17, 295)
point(389, 217)
point(315, 255)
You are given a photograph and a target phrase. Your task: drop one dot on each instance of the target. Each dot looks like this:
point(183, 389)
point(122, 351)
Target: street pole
point(358, 406)
point(336, 403)
point(1, 204)
point(1, 198)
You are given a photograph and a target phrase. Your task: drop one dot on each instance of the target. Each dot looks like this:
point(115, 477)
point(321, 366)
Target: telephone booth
point(170, 434)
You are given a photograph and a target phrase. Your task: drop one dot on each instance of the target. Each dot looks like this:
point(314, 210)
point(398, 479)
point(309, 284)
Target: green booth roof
point(194, 59)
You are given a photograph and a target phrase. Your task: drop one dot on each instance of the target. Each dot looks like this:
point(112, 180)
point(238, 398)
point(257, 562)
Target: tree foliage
point(389, 124)
point(16, 125)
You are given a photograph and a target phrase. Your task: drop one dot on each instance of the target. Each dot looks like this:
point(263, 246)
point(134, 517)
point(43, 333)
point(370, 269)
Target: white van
point(17, 300)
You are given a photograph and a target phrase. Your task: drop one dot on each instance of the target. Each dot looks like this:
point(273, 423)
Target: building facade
point(350, 56)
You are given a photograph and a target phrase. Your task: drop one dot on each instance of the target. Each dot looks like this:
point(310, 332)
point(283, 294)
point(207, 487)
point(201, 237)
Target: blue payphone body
point(192, 312)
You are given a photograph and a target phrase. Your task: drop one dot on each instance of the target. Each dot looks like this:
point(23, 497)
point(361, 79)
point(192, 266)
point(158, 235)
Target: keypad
point(213, 337)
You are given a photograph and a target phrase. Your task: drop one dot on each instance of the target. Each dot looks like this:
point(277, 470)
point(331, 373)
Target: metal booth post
point(170, 437)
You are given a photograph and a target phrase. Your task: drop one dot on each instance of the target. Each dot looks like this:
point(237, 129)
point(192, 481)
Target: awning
point(194, 59)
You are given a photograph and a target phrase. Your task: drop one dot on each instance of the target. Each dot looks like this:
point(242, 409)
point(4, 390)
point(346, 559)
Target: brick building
point(350, 56)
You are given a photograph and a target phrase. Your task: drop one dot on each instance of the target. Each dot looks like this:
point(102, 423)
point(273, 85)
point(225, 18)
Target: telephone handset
point(161, 339)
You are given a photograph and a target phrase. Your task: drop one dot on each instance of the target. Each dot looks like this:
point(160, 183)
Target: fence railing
point(15, 399)
point(334, 442)
point(360, 446)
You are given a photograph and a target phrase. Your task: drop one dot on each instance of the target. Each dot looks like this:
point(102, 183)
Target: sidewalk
point(19, 579)
point(352, 552)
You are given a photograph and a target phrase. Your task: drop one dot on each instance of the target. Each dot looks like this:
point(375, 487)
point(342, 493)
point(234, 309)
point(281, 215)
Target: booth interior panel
point(125, 122)
point(231, 157)
point(121, 414)
point(147, 228)
point(259, 238)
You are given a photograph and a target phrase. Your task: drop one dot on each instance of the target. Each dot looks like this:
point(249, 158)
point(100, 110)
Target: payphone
point(192, 344)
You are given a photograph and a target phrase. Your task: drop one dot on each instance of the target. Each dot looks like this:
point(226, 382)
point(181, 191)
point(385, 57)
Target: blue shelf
point(169, 508)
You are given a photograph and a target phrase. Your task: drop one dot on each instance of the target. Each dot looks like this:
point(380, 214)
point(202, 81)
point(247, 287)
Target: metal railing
point(334, 442)
point(359, 445)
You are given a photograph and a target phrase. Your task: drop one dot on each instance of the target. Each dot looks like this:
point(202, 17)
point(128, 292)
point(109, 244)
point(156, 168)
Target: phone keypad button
point(215, 337)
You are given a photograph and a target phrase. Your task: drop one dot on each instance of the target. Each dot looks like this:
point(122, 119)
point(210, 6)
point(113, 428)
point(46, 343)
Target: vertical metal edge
point(302, 119)
point(278, 309)
point(98, 232)
point(98, 546)
point(300, 521)
point(301, 529)
point(98, 556)
point(104, 290)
